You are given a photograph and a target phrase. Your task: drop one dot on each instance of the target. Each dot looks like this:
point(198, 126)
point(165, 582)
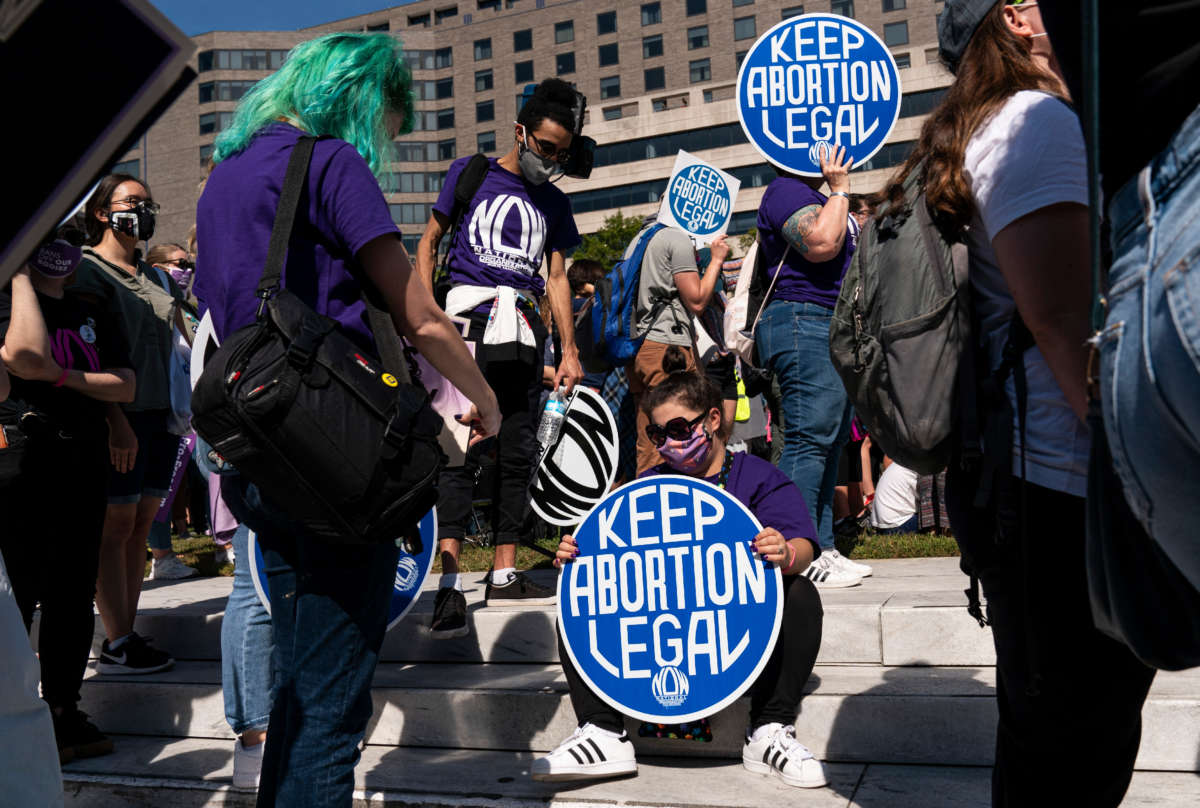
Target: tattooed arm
point(818, 231)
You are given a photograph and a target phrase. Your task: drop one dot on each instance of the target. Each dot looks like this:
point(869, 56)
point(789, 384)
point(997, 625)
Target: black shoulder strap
point(285, 216)
point(469, 181)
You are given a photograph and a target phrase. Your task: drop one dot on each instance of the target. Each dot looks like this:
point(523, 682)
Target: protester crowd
point(97, 331)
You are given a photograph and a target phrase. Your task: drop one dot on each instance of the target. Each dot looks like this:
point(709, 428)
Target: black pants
point(1070, 699)
point(53, 516)
point(518, 389)
point(775, 695)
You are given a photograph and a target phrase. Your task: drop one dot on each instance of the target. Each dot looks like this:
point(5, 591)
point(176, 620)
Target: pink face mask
point(687, 456)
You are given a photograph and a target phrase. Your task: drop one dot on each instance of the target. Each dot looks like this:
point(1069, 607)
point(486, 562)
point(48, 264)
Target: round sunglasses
point(676, 429)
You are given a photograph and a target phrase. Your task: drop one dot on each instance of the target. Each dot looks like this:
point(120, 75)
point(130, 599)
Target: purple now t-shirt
point(773, 499)
point(341, 212)
point(800, 280)
point(507, 229)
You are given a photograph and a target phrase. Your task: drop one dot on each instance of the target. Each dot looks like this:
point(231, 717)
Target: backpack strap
point(470, 179)
point(770, 288)
point(660, 301)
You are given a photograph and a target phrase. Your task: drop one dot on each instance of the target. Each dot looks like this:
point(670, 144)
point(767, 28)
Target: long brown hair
point(994, 66)
point(101, 199)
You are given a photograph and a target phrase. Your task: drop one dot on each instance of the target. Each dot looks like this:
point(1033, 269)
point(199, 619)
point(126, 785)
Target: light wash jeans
point(1150, 346)
point(793, 341)
point(246, 647)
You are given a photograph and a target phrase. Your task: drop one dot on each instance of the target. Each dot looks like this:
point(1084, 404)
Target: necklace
point(723, 477)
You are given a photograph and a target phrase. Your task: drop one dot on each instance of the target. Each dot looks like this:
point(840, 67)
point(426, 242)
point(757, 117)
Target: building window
point(429, 59)
point(610, 114)
point(737, 3)
point(133, 167)
point(744, 28)
point(699, 70)
point(485, 142)
point(903, 60)
point(523, 72)
point(659, 105)
point(651, 13)
point(204, 61)
point(738, 58)
point(240, 60)
point(697, 37)
point(608, 55)
point(523, 40)
point(211, 122)
point(444, 88)
point(895, 33)
point(446, 149)
point(931, 56)
point(484, 5)
point(485, 111)
point(441, 14)
point(794, 11)
point(564, 63)
point(445, 118)
point(380, 26)
point(410, 212)
point(443, 57)
point(843, 7)
point(656, 78)
point(921, 103)
point(694, 141)
point(206, 153)
point(610, 87)
point(894, 5)
point(483, 81)
point(652, 46)
point(564, 32)
point(415, 182)
point(695, 7)
point(606, 23)
point(223, 90)
point(483, 49)
point(419, 20)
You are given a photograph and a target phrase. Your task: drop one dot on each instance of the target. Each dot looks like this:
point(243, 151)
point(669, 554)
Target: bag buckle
point(303, 350)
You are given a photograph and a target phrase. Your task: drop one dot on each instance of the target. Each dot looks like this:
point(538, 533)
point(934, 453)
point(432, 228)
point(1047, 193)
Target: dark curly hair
point(553, 99)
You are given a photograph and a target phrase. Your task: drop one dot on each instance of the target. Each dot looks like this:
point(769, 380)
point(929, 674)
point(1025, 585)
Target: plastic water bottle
point(552, 419)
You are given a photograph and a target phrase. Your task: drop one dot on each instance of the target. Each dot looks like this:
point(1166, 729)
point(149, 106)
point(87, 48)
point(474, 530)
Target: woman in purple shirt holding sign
point(687, 427)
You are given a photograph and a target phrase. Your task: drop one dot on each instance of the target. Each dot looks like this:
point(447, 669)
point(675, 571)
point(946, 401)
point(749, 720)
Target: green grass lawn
point(199, 551)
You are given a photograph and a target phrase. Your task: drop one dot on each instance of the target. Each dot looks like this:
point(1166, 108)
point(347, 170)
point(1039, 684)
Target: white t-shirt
point(895, 497)
point(1027, 156)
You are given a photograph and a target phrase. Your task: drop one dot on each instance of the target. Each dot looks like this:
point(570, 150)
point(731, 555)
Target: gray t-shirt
point(668, 253)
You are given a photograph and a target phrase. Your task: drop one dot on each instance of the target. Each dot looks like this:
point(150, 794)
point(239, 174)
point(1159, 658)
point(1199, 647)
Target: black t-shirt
point(1149, 75)
point(82, 337)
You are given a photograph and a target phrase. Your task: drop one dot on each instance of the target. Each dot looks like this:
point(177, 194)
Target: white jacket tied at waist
point(505, 324)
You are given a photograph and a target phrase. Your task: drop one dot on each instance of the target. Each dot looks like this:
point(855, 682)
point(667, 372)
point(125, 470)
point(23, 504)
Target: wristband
point(62, 378)
point(840, 193)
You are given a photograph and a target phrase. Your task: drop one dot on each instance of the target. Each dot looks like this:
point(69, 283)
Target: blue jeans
point(793, 341)
point(1150, 346)
point(246, 647)
point(329, 611)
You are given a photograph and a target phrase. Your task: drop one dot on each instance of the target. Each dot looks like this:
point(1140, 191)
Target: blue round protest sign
point(814, 82)
point(666, 612)
point(700, 199)
point(411, 571)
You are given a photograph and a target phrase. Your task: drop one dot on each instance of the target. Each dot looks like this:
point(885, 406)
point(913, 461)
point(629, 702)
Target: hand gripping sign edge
point(398, 607)
point(773, 580)
point(560, 494)
point(804, 160)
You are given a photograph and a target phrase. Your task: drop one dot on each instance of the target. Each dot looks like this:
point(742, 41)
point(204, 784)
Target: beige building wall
point(170, 155)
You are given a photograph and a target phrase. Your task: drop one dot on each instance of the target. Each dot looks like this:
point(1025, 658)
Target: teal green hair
point(342, 85)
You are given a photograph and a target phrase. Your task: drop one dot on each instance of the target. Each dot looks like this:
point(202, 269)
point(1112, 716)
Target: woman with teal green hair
point(329, 603)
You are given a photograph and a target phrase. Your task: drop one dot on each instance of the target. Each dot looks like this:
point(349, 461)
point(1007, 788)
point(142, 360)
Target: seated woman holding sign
point(686, 426)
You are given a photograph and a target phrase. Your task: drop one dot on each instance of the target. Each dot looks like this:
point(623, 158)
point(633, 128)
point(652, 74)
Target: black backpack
point(347, 447)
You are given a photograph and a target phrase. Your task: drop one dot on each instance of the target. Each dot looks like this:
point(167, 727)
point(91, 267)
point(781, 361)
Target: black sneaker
point(77, 737)
point(135, 656)
point(449, 615)
point(519, 589)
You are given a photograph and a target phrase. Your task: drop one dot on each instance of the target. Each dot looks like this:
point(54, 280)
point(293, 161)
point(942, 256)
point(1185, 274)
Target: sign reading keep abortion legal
point(814, 82)
point(699, 198)
point(667, 612)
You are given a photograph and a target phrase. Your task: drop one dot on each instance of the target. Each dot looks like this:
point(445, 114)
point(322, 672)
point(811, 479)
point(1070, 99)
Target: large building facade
point(659, 77)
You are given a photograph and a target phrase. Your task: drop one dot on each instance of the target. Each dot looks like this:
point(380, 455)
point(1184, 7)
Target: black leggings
point(53, 517)
point(775, 695)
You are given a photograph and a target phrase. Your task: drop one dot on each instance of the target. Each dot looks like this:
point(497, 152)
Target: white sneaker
point(774, 750)
point(170, 568)
point(589, 752)
point(224, 554)
point(247, 765)
point(861, 570)
point(826, 573)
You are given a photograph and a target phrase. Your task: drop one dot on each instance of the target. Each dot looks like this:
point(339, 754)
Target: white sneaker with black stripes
point(827, 573)
point(773, 749)
point(589, 752)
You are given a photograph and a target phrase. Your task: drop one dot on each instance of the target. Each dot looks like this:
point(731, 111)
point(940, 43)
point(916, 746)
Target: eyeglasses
point(547, 149)
point(132, 201)
point(676, 429)
point(181, 263)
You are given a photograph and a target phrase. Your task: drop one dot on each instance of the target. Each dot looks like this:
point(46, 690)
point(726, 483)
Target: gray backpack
point(901, 329)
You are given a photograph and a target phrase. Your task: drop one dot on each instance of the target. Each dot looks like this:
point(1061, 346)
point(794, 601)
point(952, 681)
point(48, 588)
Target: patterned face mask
point(687, 456)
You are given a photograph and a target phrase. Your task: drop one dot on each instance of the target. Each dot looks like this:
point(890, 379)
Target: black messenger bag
point(346, 447)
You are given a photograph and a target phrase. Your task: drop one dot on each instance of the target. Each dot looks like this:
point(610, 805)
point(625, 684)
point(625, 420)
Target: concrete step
point(194, 773)
point(863, 713)
point(911, 612)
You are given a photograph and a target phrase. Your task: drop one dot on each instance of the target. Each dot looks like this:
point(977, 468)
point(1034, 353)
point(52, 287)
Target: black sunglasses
point(181, 263)
point(676, 429)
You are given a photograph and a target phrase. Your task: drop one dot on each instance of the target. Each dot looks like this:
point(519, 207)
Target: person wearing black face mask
point(118, 215)
point(516, 220)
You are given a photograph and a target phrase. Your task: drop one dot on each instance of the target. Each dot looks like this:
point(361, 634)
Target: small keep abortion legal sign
point(817, 81)
point(699, 198)
point(667, 612)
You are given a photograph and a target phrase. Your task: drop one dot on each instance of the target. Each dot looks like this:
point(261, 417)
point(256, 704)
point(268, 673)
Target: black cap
point(957, 25)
